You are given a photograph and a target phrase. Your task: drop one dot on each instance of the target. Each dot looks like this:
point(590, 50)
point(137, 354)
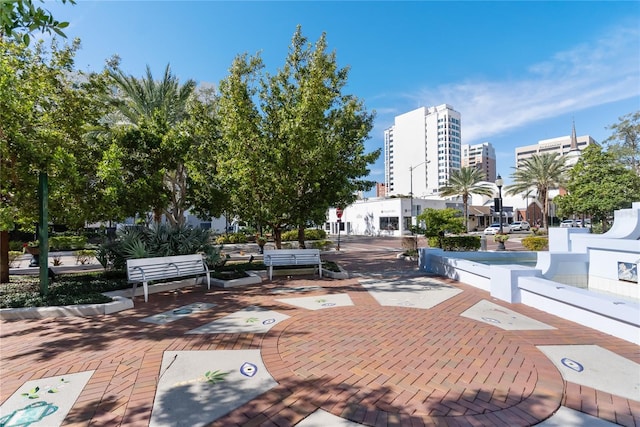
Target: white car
point(495, 228)
point(520, 226)
point(568, 223)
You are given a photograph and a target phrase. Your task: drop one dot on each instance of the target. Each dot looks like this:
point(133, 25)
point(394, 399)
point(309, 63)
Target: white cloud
point(603, 71)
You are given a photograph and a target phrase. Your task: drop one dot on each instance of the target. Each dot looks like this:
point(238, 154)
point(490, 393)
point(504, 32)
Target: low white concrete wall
point(611, 315)
point(565, 267)
point(520, 284)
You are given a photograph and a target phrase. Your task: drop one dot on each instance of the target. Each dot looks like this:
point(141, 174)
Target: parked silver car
point(520, 226)
point(495, 228)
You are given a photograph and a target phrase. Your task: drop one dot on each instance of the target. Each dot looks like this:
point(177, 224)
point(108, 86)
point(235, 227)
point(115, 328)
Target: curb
point(82, 310)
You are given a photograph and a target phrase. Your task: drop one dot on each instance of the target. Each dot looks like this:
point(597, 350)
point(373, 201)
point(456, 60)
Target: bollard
point(483, 243)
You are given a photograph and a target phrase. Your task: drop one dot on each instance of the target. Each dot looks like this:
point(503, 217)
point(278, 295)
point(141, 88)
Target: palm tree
point(465, 182)
point(163, 102)
point(541, 172)
point(138, 99)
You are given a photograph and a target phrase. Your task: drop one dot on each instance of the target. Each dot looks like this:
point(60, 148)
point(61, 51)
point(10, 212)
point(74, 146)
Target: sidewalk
point(388, 346)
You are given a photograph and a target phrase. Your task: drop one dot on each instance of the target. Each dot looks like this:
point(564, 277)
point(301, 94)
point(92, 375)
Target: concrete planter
point(251, 279)
point(118, 304)
point(407, 257)
point(342, 274)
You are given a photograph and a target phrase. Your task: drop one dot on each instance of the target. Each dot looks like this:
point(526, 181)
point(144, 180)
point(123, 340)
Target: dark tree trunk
point(301, 244)
point(4, 256)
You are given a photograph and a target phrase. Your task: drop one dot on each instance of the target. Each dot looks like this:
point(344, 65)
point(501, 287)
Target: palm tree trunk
point(465, 202)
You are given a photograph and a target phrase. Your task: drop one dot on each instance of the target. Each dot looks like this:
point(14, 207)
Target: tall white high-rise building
point(421, 150)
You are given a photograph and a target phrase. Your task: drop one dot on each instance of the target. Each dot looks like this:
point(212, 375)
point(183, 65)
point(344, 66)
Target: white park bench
point(292, 257)
point(145, 270)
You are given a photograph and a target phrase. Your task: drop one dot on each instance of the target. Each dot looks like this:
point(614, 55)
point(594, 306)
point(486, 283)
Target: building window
point(389, 223)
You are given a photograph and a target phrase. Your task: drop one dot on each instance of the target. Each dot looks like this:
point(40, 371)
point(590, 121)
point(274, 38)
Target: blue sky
point(518, 72)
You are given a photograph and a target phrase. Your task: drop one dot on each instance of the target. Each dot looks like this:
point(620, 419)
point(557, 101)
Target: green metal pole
point(43, 231)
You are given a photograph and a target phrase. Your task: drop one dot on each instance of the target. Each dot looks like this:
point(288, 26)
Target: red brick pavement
point(375, 365)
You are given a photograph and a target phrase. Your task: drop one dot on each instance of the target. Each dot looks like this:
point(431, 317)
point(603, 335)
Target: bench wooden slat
point(293, 257)
point(144, 270)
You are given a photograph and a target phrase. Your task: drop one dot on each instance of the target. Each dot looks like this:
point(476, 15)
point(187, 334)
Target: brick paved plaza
point(366, 363)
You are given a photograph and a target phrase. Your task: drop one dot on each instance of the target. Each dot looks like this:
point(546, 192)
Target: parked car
point(495, 228)
point(568, 223)
point(520, 226)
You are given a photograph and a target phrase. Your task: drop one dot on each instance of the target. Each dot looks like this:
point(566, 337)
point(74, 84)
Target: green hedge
point(309, 234)
point(67, 243)
point(232, 238)
point(535, 243)
point(456, 243)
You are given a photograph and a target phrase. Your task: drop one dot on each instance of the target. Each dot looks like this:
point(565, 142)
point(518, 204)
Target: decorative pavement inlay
point(198, 387)
point(566, 417)
point(494, 314)
point(416, 292)
point(319, 302)
point(596, 367)
point(322, 418)
point(251, 319)
point(44, 402)
point(178, 313)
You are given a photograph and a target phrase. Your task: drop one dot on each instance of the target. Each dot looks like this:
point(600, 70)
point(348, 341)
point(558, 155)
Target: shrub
point(64, 290)
point(163, 240)
point(455, 243)
point(461, 243)
point(67, 243)
point(309, 234)
point(84, 256)
point(231, 238)
point(290, 235)
point(314, 234)
point(535, 243)
point(500, 237)
point(15, 245)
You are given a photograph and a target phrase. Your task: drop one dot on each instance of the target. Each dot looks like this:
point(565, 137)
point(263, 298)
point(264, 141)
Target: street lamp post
point(499, 183)
point(411, 168)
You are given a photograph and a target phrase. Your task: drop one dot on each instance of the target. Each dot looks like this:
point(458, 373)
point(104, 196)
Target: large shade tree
point(465, 182)
point(598, 185)
point(300, 148)
point(540, 172)
point(44, 108)
point(19, 18)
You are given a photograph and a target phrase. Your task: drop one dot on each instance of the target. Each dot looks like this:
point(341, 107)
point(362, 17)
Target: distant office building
point(570, 145)
point(483, 157)
point(421, 150)
point(381, 189)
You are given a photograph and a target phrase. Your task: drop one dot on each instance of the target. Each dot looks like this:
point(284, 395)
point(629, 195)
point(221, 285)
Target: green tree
point(302, 150)
point(206, 195)
point(598, 185)
point(148, 144)
point(541, 172)
point(319, 131)
point(44, 108)
point(624, 143)
point(437, 222)
point(465, 182)
point(19, 18)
